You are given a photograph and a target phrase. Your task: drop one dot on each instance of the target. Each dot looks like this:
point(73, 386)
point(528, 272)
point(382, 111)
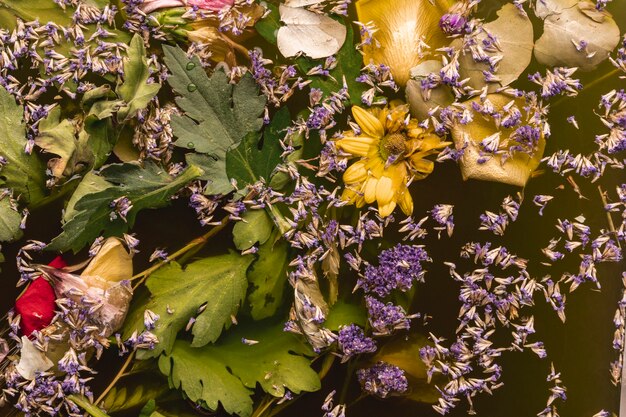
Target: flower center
point(392, 146)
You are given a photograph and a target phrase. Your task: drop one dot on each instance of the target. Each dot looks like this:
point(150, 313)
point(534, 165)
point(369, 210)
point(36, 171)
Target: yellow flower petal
point(401, 26)
point(387, 209)
point(368, 122)
point(369, 190)
point(385, 191)
point(406, 202)
point(357, 145)
point(355, 173)
point(112, 263)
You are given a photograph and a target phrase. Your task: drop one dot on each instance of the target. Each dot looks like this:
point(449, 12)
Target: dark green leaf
point(146, 187)
point(218, 281)
point(343, 313)
point(9, 221)
point(267, 277)
point(226, 371)
point(349, 63)
point(268, 26)
point(23, 173)
point(225, 113)
point(214, 172)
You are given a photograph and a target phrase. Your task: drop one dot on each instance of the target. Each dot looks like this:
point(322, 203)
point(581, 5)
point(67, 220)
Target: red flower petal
point(36, 305)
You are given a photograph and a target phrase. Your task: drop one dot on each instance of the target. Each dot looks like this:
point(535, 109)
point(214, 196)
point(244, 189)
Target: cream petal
point(401, 26)
point(368, 122)
point(385, 191)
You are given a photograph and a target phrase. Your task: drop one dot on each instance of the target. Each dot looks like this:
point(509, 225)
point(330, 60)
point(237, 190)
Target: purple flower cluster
point(382, 380)
point(398, 268)
point(453, 24)
point(352, 341)
point(386, 318)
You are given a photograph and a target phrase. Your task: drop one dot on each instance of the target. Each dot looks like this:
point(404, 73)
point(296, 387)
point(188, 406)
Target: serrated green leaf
point(269, 25)
point(219, 281)
point(214, 172)
point(256, 227)
point(223, 113)
point(9, 221)
point(226, 371)
point(252, 160)
point(23, 173)
point(135, 392)
point(135, 91)
point(267, 277)
point(146, 187)
point(349, 63)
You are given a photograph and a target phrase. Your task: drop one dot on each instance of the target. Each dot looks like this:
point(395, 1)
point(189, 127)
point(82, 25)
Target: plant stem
point(346, 383)
point(86, 405)
point(590, 85)
point(117, 378)
point(199, 241)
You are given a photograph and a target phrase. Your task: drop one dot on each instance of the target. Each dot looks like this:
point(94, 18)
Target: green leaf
point(255, 227)
point(343, 313)
point(214, 172)
point(23, 173)
point(349, 63)
point(135, 91)
point(135, 391)
point(218, 281)
point(269, 25)
point(226, 371)
point(250, 161)
point(146, 187)
point(225, 113)
point(267, 277)
point(9, 221)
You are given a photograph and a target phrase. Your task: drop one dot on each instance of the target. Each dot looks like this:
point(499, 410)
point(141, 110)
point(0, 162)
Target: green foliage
point(255, 227)
point(269, 25)
point(23, 173)
point(218, 114)
point(219, 282)
point(343, 313)
point(349, 62)
point(227, 371)
point(135, 91)
point(267, 277)
point(145, 187)
point(9, 221)
point(251, 161)
point(135, 391)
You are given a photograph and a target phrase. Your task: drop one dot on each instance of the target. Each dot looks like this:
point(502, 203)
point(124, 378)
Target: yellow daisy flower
point(402, 27)
point(392, 149)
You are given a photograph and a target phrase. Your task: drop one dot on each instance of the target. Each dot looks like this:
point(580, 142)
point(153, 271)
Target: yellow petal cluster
point(402, 29)
point(391, 148)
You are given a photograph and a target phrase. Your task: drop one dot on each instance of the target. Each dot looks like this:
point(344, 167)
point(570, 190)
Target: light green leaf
point(146, 187)
point(90, 184)
point(135, 91)
point(58, 137)
point(269, 25)
point(9, 221)
point(223, 113)
point(23, 173)
point(218, 281)
point(255, 227)
point(226, 371)
point(251, 160)
point(135, 391)
point(267, 277)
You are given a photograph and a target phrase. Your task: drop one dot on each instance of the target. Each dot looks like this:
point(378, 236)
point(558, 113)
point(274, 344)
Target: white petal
point(315, 35)
point(32, 360)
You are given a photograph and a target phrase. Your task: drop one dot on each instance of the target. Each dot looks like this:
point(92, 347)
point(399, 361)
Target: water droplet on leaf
point(191, 145)
point(191, 88)
point(190, 66)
